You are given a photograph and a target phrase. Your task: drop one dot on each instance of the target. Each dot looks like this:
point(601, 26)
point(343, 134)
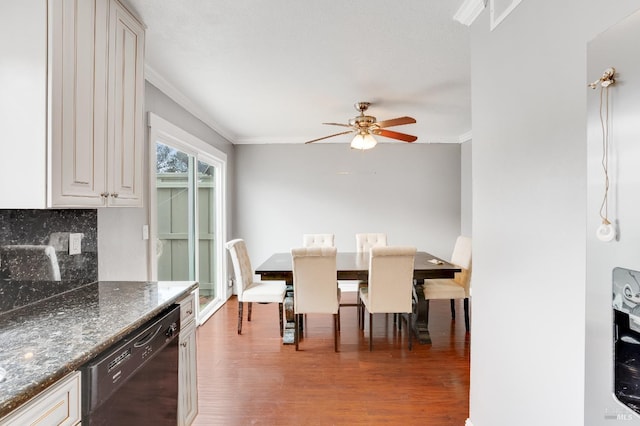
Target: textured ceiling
point(273, 71)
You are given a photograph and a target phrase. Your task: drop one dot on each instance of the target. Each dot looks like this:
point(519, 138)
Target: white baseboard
point(468, 423)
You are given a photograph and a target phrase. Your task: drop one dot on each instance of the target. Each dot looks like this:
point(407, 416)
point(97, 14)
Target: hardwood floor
point(254, 379)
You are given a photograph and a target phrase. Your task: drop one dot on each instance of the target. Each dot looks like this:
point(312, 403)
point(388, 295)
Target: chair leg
point(410, 330)
point(296, 333)
point(466, 314)
point(249, 311)
point(370, 332)
point(453, 309)
point(358, 307)
point(281, 319)
point(397, 318)
point(426, 313)
point(336, 326)
point(239, 317)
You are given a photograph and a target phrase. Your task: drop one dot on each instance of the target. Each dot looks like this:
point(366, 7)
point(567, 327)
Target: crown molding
point(293, 140)
point(469, 11)
point(153, 77)
point(465, 137)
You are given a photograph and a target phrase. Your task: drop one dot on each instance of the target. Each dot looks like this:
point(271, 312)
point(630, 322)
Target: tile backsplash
point(40, 233)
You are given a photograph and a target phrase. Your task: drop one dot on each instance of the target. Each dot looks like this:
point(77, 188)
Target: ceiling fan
point(366, 126)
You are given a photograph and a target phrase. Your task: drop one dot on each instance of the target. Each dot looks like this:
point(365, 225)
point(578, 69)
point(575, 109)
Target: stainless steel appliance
point(136, 380)
point(626, 337)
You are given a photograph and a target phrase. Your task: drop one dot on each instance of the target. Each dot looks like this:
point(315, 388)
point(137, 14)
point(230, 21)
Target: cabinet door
point(187, 382)
point(77, 101)
point(23, 89)
point(126, 108)
point(59, 405)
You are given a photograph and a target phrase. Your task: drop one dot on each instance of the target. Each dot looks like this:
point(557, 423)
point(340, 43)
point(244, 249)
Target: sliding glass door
point(205, 184)
point(174, 206)
point(187, 197)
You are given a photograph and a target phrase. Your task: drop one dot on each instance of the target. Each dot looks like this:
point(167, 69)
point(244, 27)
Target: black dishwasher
point(136, 380)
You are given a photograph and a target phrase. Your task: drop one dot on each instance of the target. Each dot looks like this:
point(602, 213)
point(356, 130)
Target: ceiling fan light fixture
point(363, 141)
point(366, 126)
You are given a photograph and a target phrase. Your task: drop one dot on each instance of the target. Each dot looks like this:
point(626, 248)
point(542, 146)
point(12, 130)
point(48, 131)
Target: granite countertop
point(42, 341)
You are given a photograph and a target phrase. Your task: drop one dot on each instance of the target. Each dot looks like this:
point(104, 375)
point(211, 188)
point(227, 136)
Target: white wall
point(529, 191)
point(466, 189)
point(122, 253)
point(411, 192)
point(617, 47)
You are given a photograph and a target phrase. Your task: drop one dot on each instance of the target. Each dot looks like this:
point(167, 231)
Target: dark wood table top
point(355, 266)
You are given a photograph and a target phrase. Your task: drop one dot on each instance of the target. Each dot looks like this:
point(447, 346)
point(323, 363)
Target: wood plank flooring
point(253, 379)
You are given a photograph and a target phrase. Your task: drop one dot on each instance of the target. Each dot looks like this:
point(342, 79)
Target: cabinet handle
point(114, 194)
point(104, 194)
point(183, 344)
point(189, 312)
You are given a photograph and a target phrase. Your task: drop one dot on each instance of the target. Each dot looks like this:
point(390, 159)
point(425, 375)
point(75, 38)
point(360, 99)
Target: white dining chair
point(364, 242)
point(457, 287)
point(318, 240)
point(315, 286)
point(250, 290)
point(390, 288)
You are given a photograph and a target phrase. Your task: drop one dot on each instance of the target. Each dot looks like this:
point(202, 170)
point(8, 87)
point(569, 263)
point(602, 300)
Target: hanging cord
point(604, 124)
point(606, 232)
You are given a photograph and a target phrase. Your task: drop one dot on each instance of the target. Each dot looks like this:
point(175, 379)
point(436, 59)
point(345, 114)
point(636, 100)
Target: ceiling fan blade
point(338, 124)
point(330, 136)
point(396, 122)
point(395, 135)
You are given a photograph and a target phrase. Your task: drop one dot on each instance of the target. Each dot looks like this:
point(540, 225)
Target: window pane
point(175, 255)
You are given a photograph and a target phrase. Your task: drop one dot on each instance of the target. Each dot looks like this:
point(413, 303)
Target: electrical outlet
point(75, 243)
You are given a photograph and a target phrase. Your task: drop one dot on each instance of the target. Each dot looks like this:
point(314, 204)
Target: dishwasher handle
point(147, 337)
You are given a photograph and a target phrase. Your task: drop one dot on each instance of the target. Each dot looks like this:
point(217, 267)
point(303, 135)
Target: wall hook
point(606, 80)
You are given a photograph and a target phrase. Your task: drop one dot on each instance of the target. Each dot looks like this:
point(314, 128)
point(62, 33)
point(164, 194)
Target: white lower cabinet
point(58, 405)
point(187, 364)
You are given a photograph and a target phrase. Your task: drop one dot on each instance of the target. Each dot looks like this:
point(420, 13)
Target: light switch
point(75, 243)
point(145, 232)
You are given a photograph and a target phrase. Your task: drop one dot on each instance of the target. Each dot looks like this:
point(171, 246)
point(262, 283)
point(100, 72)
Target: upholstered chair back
point(241, 265)
point(318, 240)
point(364, 242)
point(315, 286)
point(462, 257)
point(391, 279)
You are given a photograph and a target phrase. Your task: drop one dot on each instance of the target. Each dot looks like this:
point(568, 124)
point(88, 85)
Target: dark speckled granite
point(52, 228)
point(18, 294)
point(55, 336)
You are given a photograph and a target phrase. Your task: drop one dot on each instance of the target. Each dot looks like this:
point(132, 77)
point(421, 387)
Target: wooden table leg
point(288, 335)
point(421, 326)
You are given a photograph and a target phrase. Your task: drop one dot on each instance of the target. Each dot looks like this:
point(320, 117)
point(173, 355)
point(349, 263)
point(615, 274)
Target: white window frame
point(161, 130)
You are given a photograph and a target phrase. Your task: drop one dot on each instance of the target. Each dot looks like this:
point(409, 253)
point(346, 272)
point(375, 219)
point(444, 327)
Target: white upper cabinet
point(73, 121)
point(23, 108)
point(126, 108)
point(78, 101)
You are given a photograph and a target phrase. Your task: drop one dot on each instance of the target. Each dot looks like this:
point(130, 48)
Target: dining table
point(355, 266)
